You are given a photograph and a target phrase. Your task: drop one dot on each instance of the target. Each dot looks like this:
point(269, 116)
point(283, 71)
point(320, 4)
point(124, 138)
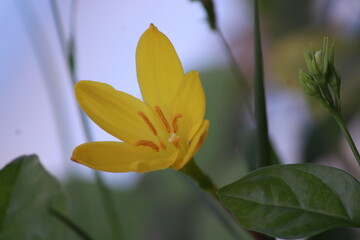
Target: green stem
point(342, 125)
point(69, 223)
point(205, 183)
point(327, 95)
point(220, 212)
point(260, 101)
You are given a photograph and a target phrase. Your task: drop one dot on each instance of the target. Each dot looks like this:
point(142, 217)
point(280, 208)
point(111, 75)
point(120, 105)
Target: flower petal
point(114, 111)
point(190, 102)
point(159, 70)
point(194, 146)
point(121, 157)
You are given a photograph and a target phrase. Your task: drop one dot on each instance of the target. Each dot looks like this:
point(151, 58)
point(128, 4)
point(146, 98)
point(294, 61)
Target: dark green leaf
point(294, 201)
point(27, 192)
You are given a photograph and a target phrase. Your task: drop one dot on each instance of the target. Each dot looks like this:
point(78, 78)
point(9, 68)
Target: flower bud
point(322, 81)
point(308, 84)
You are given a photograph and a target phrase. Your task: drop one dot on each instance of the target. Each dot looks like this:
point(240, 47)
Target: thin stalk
point(68, 222)
point(69, 56)
point(59, 27)
point(224, 217)
point(244, 87)
point(260, 100)
point(205, 183)
point(342, 125)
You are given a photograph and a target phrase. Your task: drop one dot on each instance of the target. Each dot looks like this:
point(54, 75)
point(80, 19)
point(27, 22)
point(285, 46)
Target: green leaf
point(294, 201)
point(27, 192)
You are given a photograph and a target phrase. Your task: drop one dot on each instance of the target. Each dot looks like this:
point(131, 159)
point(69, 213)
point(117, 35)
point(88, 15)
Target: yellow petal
point(114, 111)
point(159, 70)
point(194, 146)
point(190, 102)
point(121, 157)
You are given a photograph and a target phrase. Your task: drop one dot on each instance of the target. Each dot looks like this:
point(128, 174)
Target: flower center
point(171, 129)
point(174, 139)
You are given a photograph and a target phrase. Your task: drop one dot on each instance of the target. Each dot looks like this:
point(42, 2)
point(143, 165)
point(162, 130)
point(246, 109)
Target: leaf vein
point(289, 207)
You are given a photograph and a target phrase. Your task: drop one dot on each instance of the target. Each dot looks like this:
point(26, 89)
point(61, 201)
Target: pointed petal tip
point(152, 26)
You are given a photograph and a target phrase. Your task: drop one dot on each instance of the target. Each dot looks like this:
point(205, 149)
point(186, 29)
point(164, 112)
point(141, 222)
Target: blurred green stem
point(205, 183)
point(265, 151)
point(220, 212)
point(69, 56)
point(340, 121)
point(244, 88)
point(68, 222)
point(260, 100)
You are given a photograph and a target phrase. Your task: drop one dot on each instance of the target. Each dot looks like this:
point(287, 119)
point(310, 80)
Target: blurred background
point(40, 114)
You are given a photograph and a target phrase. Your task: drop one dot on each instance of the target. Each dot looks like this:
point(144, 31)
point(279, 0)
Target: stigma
point(174, 139)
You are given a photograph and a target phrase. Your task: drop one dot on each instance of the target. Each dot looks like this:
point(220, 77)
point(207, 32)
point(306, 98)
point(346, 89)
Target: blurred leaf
point(208, 5)
point(294, 201)
point(160, 206)
point(27, 192)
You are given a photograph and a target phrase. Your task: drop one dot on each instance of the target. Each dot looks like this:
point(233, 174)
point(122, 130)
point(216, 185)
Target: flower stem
point(260, 99)
point(340, 121)
point(205, 183)
point(220, 212)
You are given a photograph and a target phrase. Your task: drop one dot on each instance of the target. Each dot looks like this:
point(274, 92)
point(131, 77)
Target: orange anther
point(163, 119)
point(147, 121)
point(148, 144)
point(162, 145)
point(174, 122)
point(176, 142)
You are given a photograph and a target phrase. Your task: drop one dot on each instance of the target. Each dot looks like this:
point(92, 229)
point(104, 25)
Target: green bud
point(326, 55)
point(332, 53)
point(308, 84)
point(309, 61)
point(323, 81)
point(319, 60)
point(335, 83)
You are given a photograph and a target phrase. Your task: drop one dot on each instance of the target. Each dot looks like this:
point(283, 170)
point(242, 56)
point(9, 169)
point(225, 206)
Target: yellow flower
point(165, 130)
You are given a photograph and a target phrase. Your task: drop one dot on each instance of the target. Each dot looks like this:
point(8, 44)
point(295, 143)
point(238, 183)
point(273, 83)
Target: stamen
point(176, 142)
point(148, 144)
point(162, 145)
point(163, 119)
point(147, 121)
point(174, 139)
point(174, 122)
